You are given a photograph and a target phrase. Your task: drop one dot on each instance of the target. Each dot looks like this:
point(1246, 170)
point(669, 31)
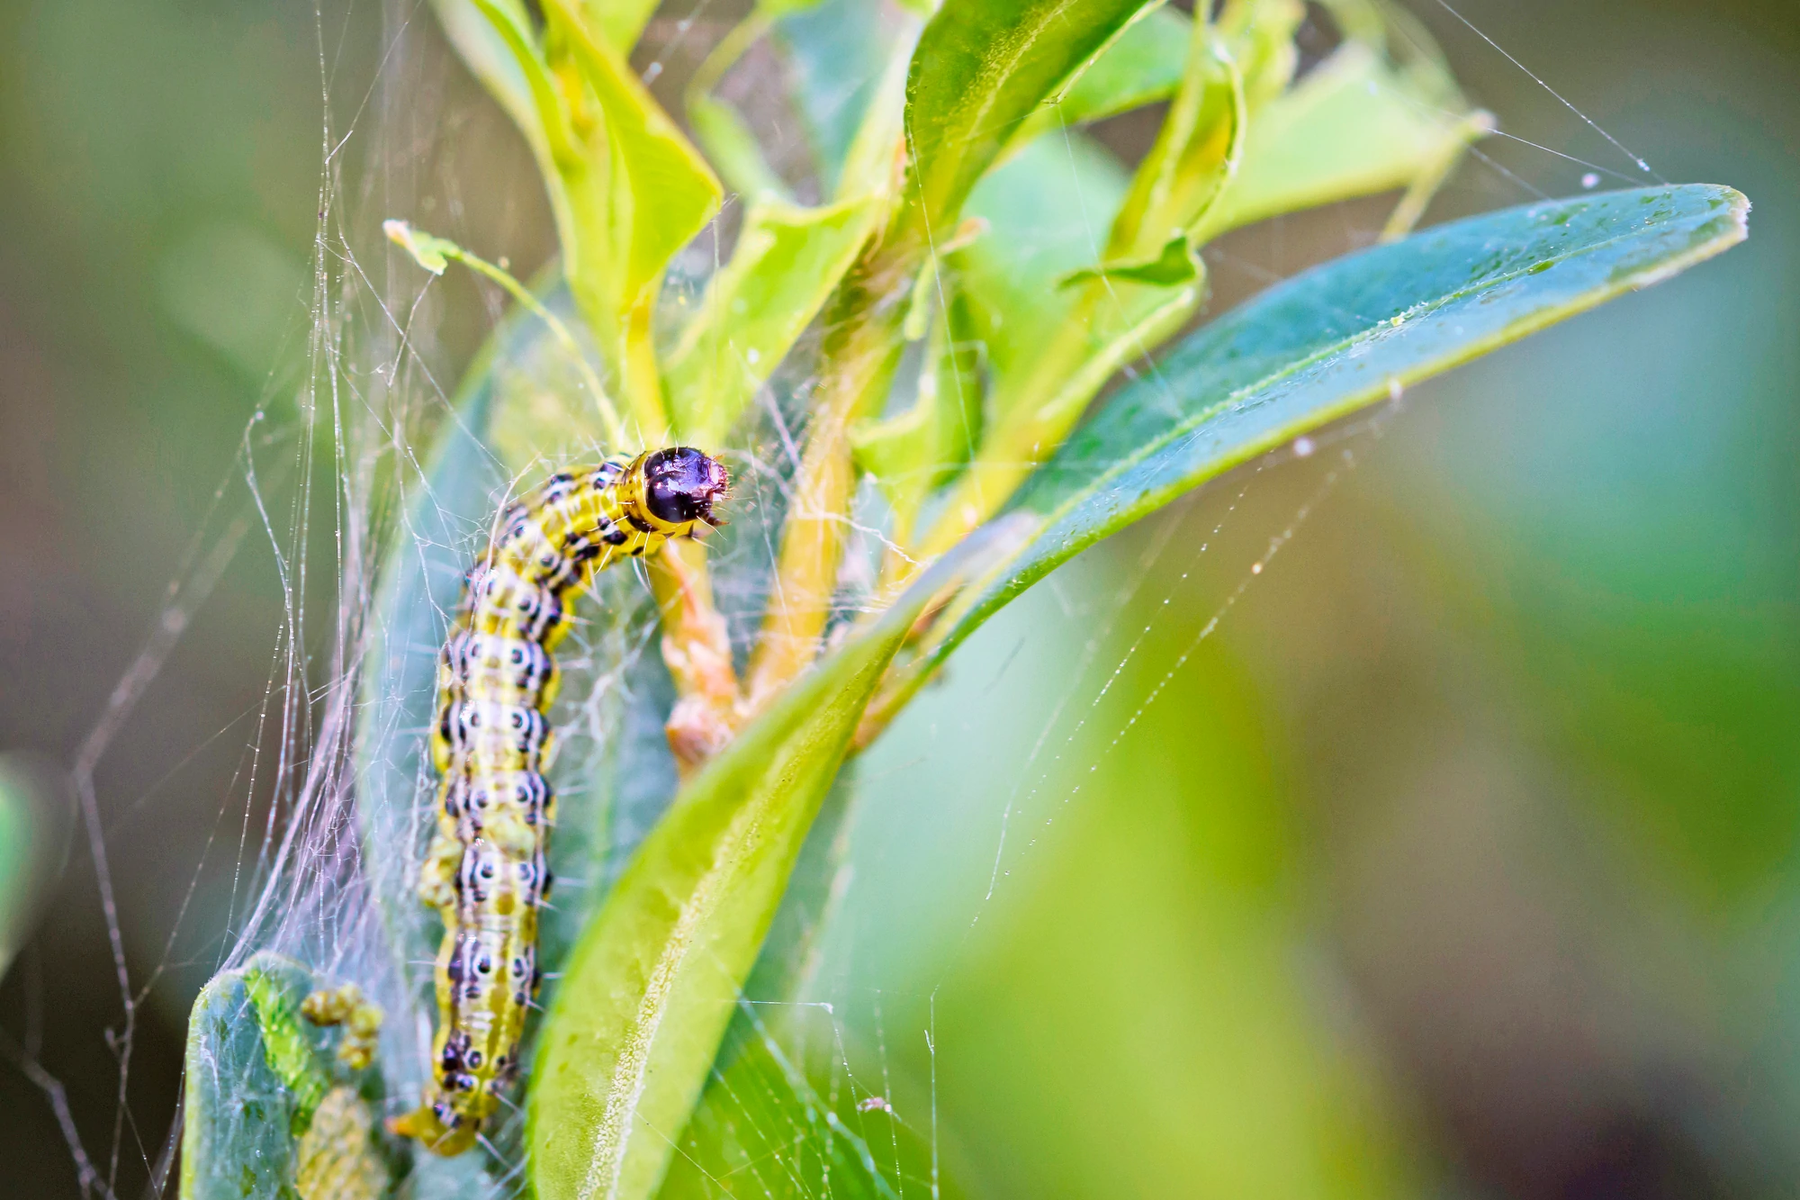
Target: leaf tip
point(425, 249)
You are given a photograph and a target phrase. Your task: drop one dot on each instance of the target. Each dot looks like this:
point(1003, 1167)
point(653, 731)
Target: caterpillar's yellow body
point(485, 870)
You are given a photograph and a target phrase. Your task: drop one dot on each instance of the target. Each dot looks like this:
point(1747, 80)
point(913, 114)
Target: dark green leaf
point(1340, 338)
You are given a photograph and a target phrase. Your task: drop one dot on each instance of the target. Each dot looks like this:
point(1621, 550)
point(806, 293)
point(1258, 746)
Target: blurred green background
point(1459, 862)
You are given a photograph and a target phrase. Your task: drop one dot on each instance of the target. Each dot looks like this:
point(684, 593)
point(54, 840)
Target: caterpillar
point(485, 871)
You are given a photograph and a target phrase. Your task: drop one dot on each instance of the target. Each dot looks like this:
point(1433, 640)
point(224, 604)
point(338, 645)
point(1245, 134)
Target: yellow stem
point(859, 361)
point(642, 381)
point(1033, 425)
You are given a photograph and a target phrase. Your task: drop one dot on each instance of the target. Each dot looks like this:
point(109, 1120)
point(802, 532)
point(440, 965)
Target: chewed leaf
point(269, 1110)
point(648, 993)
point(1342, 337)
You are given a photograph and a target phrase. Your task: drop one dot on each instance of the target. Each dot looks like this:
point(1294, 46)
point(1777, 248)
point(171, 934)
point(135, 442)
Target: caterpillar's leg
point(436, 1124)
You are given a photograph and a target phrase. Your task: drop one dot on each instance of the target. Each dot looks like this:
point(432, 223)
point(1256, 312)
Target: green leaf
point(1339, 338)
point(777, 1116)
point(981, 68)
point(1047, 209)
point(787, 262)
point(627, 189)
point(1145, 64)
point(1355, 126)
point(1174, 265)
point(781, 1123)
point(647, 995)
point(619, 22)
point(661, 193)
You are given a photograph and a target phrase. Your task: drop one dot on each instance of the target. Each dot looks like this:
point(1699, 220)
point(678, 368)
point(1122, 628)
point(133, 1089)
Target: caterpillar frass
point(485, 871)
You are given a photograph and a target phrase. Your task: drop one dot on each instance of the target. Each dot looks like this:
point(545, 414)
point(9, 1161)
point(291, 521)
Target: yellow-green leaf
point(1355, 126)
point(1144, 64)
point(786, 264)
point(662, 192)
point(1196, 152)
point(646, 997)
point(618, 22)
point(981, 68)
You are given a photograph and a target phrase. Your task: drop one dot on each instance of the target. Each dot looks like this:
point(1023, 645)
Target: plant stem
point(1069, 374)
point(640, 379)
point(860, 355)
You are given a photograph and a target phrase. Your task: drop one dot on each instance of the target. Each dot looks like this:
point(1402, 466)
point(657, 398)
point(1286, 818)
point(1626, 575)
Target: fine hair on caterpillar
point(485, 872)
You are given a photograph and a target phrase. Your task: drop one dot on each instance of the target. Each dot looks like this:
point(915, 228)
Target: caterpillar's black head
point(681, 485)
